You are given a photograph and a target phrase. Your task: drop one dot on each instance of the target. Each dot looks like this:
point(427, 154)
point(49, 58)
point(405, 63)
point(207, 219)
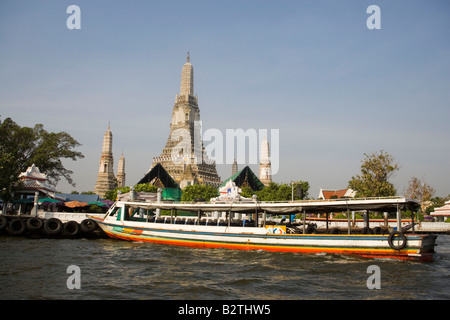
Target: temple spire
point(186, 161)
point(187, 79)
point(105, 179)
point(121, 172)
point(265, 167)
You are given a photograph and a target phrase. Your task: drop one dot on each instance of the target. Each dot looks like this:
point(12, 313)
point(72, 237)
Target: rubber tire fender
point(400, 235)
point(377, 230)
point(366, 230)
point(3, 222)
point(71, 228)
point(335, 231)
point(53, 226)
point(310, 229)
point(17, 227)
point(34, 224)
point(88, 225)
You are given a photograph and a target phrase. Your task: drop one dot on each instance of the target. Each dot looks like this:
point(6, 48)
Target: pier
point(50, 225)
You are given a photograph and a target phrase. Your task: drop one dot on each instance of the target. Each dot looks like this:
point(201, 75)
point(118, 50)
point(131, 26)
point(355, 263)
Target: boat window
point(116, 212)
point(137, 214)
point(127, 212)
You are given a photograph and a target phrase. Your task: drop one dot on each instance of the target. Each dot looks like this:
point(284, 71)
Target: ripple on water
point(110, 269)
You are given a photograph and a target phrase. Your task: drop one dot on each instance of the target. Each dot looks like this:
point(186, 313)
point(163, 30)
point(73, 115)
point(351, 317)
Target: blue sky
point(311, 69)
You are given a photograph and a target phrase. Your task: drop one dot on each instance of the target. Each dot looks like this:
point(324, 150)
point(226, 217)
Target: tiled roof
point(338, 193)
point(332, 193)
point(442, 211)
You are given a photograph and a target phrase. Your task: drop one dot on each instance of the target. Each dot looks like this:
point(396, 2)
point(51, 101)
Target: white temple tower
point(265, 167)
point(121, 172)
point(184, 156)
point(234, 167)
point(105, 179)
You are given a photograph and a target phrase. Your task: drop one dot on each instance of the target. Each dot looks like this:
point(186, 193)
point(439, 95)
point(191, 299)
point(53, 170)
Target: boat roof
point(391, 204)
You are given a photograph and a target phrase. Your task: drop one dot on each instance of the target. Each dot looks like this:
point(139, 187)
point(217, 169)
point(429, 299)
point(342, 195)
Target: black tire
point(377, 230)
point(17, 227)
point(3, 223)
point(71, 229)
point(310, 230)
point(366, 230)
point(399, 235)
point(35, 224)
point(335, 231)
point(53, 226)
point(88, 225)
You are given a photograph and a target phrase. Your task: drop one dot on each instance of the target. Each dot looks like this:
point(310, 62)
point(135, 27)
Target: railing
point(67, 216)
point(248, 200)
point(336, 200)
point(433, 226)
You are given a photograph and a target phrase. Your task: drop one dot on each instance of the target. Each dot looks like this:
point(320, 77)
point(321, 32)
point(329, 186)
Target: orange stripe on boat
point(363, 252)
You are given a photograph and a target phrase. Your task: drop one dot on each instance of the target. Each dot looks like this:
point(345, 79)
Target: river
point(36, 269)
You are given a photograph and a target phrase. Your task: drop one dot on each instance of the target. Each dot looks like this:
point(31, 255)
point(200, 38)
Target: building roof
point(327, 194)
point(33, 173)
point(245, 177)
point(442, 211)
point(34, 180)
point(159, 176)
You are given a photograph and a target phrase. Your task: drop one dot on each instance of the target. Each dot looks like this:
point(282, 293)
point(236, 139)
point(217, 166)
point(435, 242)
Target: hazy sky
point(312, 69)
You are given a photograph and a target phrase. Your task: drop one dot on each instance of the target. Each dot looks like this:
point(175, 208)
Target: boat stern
point(428, 245)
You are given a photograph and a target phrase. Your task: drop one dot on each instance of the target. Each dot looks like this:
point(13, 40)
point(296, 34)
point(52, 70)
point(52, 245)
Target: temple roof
point(159, 176)
point(33, 173)
point(246, 177)
point(34, 180)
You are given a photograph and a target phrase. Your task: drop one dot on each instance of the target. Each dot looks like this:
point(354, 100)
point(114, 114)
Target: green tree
point(20, 147)
point(436, 202)
point(373, 181)
point(112, 194)
point(200, 191)
point(277, 192)
point(143, 187)
point(87, 192)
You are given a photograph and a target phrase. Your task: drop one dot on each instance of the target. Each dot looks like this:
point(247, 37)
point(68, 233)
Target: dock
point(51, 225)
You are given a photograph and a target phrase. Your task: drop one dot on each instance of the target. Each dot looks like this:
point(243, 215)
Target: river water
point(112, 269)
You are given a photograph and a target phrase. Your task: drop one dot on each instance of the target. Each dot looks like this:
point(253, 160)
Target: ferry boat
point(247, 224)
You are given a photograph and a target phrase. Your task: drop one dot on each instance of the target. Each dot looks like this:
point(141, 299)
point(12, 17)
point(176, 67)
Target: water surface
point(114, 269)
